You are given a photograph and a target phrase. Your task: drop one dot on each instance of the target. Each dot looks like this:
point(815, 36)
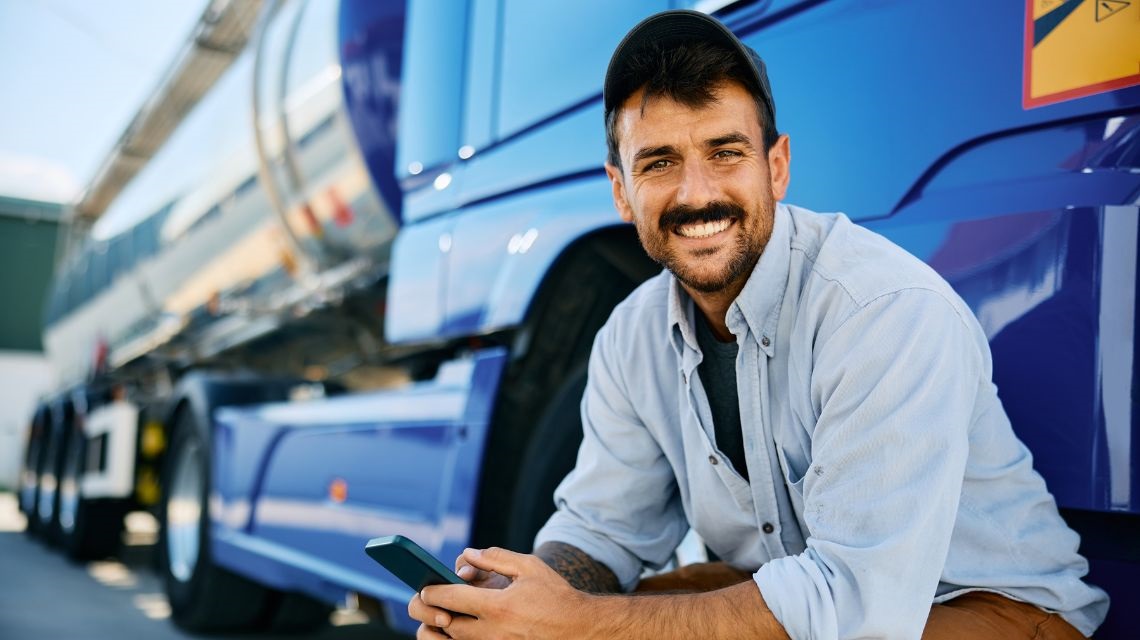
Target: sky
point(73, 74)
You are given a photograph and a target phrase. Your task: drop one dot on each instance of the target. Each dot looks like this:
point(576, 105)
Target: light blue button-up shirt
point(885, 474)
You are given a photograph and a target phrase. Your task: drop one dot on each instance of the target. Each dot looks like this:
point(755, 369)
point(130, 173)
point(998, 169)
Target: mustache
point(681, 215)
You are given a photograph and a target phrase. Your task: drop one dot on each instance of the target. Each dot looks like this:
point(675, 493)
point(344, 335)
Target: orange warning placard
point(1076, 48)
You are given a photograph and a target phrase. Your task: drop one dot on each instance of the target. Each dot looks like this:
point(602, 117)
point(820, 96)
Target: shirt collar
point(759, 301)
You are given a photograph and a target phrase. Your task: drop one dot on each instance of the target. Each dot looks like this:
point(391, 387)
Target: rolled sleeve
point(894, 387)
point(620, 503)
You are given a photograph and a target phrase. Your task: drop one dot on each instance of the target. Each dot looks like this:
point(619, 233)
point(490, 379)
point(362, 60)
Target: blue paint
point(904, 115)
point(409, 458)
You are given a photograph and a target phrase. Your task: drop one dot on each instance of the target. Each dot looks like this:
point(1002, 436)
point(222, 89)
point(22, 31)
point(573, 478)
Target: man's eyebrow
point(653, 152)
point(729, 138)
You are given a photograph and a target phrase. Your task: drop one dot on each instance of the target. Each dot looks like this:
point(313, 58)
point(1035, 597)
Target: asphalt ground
point(43, 595)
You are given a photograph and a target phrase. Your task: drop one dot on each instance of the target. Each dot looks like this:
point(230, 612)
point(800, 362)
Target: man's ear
point(618, 184)
point(779, 166)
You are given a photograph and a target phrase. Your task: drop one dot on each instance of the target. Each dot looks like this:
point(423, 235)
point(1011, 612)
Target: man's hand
point(535, 598)
point(433, 618)
point(540, 603)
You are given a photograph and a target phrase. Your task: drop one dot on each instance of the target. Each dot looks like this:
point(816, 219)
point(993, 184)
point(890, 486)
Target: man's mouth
point(703, 229)
point(698, 224)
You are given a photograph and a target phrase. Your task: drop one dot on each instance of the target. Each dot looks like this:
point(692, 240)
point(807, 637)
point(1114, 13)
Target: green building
point(28, 232)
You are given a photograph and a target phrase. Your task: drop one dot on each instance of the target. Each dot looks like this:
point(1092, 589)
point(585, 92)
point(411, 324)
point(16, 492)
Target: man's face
point(698, 185)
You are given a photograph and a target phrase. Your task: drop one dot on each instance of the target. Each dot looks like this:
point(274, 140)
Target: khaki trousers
point(985, 615)
point(978, 615)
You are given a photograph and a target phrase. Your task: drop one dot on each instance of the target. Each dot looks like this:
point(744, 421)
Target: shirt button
point(765, 341)
point(713, 460)
point(768, 528)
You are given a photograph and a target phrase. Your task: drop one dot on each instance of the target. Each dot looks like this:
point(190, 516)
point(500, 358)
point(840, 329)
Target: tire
point(537, 390)
point(33, 465)
point(549, 456)
point(88, 528)
point(45, 518)
point(203, 596)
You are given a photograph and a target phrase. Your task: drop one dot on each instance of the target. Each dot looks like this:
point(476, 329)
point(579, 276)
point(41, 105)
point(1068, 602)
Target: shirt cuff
point(791, 589)
point(626, 566)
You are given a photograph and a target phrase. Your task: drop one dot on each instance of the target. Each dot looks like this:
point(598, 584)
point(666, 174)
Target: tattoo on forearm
point(578, 568)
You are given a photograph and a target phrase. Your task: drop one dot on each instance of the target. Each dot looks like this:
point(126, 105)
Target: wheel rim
point(183, 512)
point(28, 477)
point(47, 497)
point(69, 488)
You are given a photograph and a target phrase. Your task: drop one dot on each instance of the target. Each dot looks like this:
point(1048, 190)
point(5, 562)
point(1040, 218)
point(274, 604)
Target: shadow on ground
point(43, 595)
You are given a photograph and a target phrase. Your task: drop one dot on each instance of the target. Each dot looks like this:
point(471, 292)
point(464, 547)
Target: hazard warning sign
point(1076, 48)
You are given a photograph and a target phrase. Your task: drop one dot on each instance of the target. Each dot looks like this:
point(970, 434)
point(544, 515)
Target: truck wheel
point(549, 456)
point(88, 528)
point(535, 430)
point(203, 596)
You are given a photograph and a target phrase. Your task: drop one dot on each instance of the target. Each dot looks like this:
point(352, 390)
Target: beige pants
point(984, 615)
point(978, 615)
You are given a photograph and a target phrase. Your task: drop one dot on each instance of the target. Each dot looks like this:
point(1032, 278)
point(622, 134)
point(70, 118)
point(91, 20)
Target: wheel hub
point(183, 512)
point(69, 489)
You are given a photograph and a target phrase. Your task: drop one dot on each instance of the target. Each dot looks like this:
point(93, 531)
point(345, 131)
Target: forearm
point(578, 568)
point(733, 612)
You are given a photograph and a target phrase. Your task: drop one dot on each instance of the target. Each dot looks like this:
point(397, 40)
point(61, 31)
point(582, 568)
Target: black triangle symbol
point(1106, 8)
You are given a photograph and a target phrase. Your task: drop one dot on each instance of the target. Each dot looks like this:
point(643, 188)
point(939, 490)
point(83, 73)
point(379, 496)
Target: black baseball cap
point(674, 27)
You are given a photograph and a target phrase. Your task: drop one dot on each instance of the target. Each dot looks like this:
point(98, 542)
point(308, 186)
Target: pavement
point(44, 595)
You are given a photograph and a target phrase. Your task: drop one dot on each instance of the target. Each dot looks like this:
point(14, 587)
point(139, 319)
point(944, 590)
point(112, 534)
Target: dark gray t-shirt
point(718, 376)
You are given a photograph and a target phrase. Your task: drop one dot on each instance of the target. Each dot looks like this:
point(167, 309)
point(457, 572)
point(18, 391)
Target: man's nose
point(698, 187)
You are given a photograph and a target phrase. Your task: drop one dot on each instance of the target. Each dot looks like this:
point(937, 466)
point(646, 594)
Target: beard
point(744, 251)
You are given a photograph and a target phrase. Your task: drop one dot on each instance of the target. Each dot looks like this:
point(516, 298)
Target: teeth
point(703, 229)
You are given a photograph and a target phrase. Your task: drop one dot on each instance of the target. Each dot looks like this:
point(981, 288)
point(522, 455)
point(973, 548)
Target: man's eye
point(657, 165)
point(727, 153)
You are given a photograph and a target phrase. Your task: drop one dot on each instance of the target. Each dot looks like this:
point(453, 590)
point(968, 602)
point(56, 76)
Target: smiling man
point(813, 401)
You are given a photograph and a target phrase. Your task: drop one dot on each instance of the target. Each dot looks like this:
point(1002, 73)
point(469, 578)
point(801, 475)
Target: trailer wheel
point(88, 528)
point(203, 596)
point(45, 517)
point(32, 468)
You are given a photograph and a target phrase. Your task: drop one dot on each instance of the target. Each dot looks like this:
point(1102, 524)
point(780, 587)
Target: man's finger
point(466, 627)
point(501, 561)
point(458, 598)
point(430, 633)
point(468, 572)
point(419, 610)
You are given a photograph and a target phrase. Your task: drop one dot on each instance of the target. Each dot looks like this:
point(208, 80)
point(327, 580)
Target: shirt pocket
point(796, 498)
point(793, 449)
point(794, 455)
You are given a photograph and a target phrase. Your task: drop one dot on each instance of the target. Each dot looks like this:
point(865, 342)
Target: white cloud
point(35, 178)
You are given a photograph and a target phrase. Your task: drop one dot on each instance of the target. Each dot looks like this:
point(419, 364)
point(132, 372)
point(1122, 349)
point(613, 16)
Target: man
point(813, 401)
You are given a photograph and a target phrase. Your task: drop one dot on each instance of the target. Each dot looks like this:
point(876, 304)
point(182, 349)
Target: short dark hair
point(685, 72)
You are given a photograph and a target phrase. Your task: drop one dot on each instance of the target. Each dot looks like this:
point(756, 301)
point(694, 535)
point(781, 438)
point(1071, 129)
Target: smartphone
point(409, 562)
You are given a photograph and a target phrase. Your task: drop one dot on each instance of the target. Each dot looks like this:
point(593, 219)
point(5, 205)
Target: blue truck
point(369, 313)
